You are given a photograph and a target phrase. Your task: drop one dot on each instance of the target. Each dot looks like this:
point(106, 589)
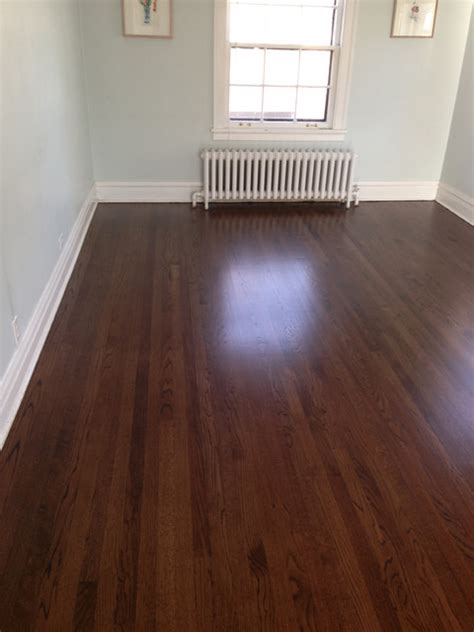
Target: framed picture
point(414, 18)
point(146, 18)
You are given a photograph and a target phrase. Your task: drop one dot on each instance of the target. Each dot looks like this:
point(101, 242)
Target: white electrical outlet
point(61, 241)
point(16, 329)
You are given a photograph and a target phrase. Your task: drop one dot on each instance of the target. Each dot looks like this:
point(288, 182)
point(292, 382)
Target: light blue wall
point(7, 344)
point(46, 166)
point(151, 100)
point(459, 162)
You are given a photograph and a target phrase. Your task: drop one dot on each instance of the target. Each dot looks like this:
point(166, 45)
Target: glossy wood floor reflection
point(254, 419)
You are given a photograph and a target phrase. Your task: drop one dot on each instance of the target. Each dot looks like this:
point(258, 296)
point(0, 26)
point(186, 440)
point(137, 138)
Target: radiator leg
point(197, 197)
point(356, 195)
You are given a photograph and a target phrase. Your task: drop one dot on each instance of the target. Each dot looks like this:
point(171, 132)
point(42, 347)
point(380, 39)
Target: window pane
point(281, 67)
point(245, 103)
point(315, 66)
point(298, 3)
point(316, 26)
point(311, 104)
point(247, 23)
point(279, 103)
point(283, 25)
point(246, 66)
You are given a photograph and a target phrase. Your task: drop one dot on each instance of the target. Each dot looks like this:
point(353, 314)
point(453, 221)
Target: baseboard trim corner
point(456, 202)
point(146, 191)
point(22, 364)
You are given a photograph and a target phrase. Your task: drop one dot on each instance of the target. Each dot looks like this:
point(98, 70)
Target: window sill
point(270, 133)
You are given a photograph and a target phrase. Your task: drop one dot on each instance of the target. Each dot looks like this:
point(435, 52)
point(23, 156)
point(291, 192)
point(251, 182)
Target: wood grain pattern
point(255, 419)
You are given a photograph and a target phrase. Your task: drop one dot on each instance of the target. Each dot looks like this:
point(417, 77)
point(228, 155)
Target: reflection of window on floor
point(280, 291)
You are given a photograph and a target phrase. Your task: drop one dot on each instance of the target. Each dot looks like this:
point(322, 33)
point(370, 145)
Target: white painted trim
point(379, 191)
point(146, 191)
point(221, 64)
point(456, 201)
point(223, 129)
point(344, 71)
point(20, 369)
point(370, 191)
point(273, 133)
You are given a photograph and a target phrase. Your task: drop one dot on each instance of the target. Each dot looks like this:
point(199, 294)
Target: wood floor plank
point(254, 419)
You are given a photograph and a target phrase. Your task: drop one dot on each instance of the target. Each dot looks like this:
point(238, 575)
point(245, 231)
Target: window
point(282, 68)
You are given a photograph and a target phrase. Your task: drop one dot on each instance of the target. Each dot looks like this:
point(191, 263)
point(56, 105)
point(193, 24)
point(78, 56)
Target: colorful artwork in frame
point(414, 18)
point(146, 18)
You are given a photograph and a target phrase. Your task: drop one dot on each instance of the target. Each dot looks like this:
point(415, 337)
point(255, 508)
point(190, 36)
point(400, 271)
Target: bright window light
point(281, 59)
point(282, 69)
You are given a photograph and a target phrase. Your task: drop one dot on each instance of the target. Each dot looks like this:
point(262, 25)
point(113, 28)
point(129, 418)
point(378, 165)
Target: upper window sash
point(301, 37)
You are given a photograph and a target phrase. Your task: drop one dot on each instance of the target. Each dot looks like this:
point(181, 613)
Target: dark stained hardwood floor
point(250, 419)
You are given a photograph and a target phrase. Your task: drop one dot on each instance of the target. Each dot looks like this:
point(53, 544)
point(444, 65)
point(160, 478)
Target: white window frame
point(334, 129)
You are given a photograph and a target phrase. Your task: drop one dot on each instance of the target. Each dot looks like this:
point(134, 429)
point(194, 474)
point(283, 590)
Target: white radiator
point(277, 175)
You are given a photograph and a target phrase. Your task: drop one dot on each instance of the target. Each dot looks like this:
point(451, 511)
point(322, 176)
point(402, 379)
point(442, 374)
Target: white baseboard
point(22, 364)
point(379, 191)
point(182, 191)
point(146, 191)
point(456, 201)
